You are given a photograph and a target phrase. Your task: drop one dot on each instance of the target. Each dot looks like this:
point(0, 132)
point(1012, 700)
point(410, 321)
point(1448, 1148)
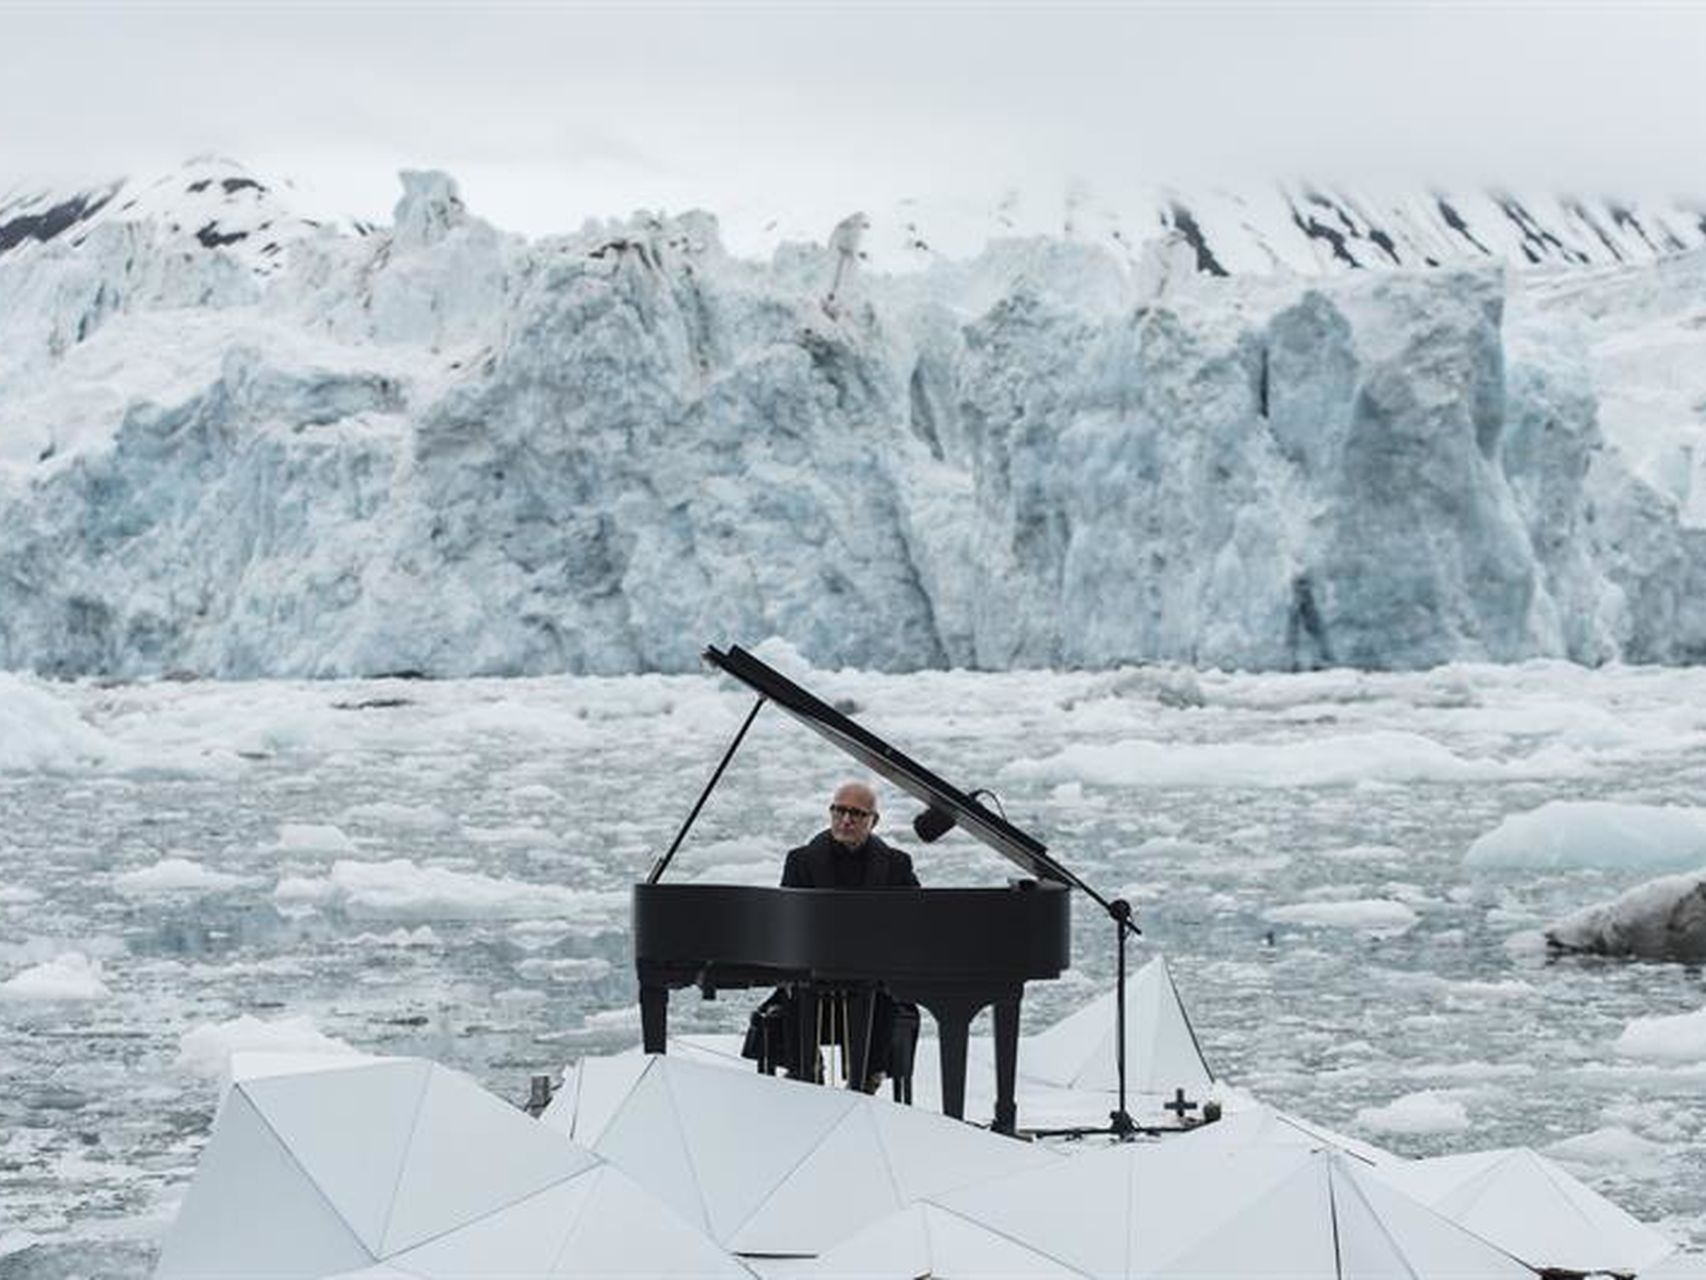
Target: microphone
point(932, 824)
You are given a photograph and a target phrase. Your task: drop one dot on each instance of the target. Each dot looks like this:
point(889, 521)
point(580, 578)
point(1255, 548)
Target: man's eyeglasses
point(849, 811)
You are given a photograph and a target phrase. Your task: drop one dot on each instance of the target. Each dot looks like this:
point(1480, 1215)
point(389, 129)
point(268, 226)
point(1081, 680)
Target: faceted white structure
point(1161, 1050)
point(772, 1167)
point(1530, 1207)
point(338, 1169)
point(1066, 1072)
point(1183, 1208)
point(928, 1240)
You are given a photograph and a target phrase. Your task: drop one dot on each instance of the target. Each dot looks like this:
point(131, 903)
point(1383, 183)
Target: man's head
point(852, 814)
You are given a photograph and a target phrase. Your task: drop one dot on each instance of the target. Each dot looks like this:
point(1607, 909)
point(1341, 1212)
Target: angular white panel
point(471, 1153)
point(746, 1132)
point(927, 1240)
point(1078, 1052)
point(252, 1212)
point(930, 1154)
point(349, 1130)
point(1374, 1216)
point(524, 1239)
point(1182, 1194)
point(1027, 1207)
point(843, 1184)
point(959, 1248)
point(645, 1139)
point(896, 1245)
point(625, 1232)
point(1286, 1234)
point(1532, 1208)
point(601, 1087)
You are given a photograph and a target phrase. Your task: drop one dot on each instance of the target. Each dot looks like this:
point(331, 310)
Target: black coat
point(824, 864)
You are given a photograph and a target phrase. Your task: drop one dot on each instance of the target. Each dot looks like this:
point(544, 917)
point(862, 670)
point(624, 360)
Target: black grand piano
point(952, 951)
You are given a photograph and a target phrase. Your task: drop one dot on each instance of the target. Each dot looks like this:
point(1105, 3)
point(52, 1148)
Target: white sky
point(549, 113)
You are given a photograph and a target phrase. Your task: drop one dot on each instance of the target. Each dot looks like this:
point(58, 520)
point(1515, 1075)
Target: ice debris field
point(1350, 875)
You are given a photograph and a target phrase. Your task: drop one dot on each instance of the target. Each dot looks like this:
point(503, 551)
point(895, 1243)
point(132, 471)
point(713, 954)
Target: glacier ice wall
point(439, 448)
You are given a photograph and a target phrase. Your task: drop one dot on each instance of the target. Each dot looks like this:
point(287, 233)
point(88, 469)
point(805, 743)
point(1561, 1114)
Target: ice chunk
point(1429, 1111)
point(71, 976)
point(1595, 833)
point(1667, 1038)
point(207, 1050)
point(175, 874)
point(1662, 919)
point(1370, 915)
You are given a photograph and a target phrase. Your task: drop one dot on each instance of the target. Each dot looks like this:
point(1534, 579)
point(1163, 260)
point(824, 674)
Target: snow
point(72, 976)
point(1595, 833)
point(1426, 1112)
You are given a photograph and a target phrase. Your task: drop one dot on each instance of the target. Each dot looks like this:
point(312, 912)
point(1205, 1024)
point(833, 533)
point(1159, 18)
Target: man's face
point(852, 814)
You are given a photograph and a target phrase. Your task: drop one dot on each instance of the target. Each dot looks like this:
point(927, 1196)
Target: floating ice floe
point(175, 874)
point(209, 1050)
point(1367, 915)
point(1385, 756)
point(1663, 919)
point(399, 889)
point(1679, 1037)
point(40, 732)
point(1595, 833)
point(1428, 1111)
point(72, 976)
point(312, 838)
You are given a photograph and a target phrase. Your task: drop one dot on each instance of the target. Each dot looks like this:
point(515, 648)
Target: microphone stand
point(1121, 1127)
point(1120, 1123)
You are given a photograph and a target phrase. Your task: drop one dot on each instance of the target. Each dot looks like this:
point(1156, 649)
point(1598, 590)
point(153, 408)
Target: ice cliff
point(437, 447)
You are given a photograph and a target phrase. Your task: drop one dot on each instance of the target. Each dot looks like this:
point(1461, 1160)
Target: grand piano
point(952, 951)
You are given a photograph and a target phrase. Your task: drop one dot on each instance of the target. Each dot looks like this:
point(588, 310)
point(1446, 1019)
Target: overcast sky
point(548, 113)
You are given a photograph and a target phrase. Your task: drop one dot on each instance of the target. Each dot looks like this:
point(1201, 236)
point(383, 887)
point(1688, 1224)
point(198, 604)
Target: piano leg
point(953, 1016)
point(654, 1017)
point(1006, 1060)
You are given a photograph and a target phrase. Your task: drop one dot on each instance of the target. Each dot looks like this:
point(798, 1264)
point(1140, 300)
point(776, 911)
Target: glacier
point(237, 442)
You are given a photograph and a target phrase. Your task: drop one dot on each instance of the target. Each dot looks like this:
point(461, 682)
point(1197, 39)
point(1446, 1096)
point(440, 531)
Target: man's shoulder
point(900, 863)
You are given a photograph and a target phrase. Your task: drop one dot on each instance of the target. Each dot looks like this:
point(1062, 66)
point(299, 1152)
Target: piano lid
point(890, 763)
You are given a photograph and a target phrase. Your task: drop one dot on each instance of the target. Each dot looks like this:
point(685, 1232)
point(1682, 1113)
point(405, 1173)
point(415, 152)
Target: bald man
point(848, 855)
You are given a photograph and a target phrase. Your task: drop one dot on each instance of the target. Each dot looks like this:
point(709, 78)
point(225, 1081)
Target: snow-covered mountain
point(437, 447)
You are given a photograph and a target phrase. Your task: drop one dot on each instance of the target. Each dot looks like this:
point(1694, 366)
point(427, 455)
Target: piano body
point(952, 951)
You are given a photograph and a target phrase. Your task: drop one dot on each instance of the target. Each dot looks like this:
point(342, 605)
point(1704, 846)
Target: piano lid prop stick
point(663, 862)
